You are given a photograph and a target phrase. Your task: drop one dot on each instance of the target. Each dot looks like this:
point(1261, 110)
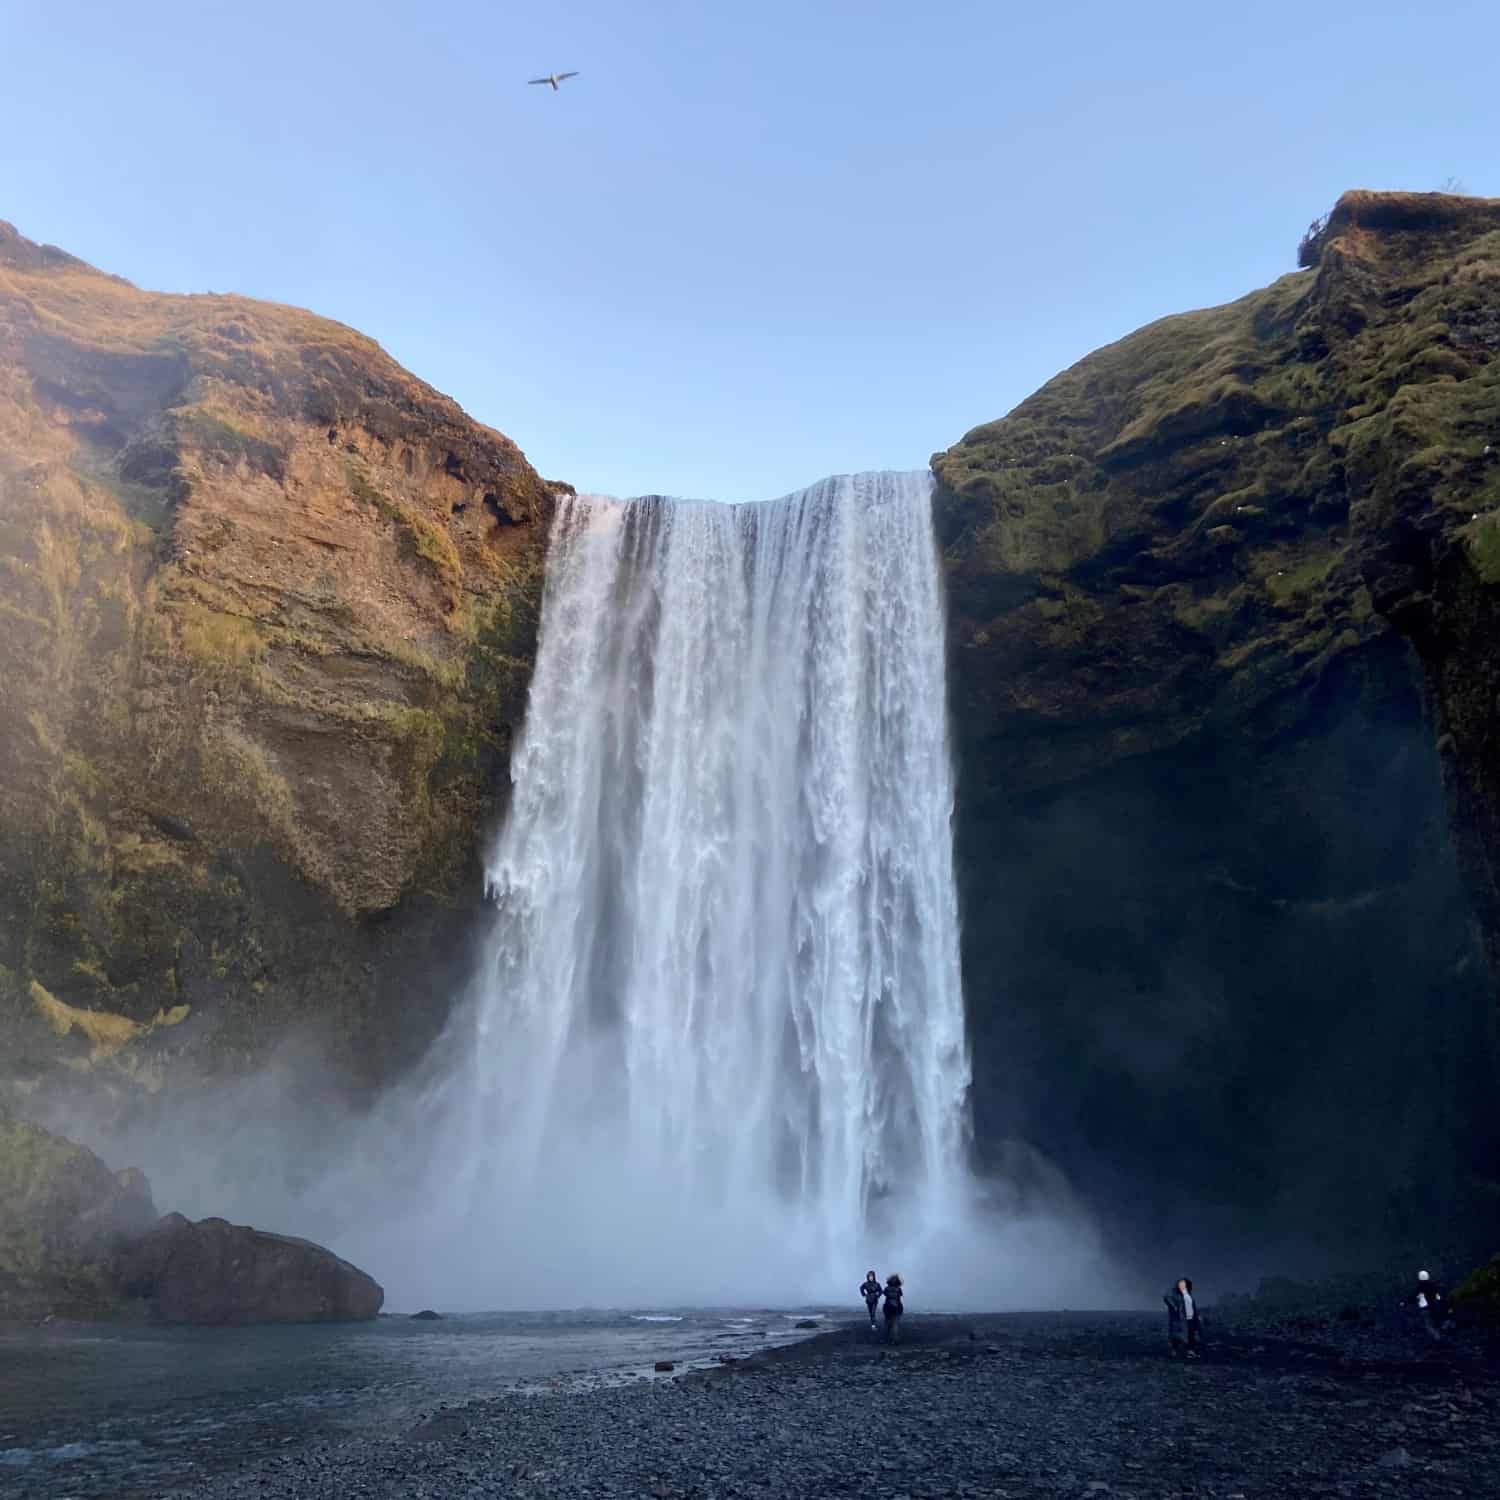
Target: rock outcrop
point(1477, 1296)
point(216, 1273)
point(63, 1217)
point(80, 1241)
point(267, 613)
point(1211, 898)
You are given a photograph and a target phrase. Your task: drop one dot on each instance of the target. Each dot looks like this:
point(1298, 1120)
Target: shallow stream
point(95, 1411)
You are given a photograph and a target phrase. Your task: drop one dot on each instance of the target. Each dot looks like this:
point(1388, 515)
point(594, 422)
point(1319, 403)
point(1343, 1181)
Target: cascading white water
point(721, 1023)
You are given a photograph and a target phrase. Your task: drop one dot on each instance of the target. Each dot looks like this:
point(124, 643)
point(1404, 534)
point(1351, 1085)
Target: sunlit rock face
point(1218, 955)
point(267, 612)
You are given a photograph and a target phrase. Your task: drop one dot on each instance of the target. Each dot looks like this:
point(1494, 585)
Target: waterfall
point(719, 1030)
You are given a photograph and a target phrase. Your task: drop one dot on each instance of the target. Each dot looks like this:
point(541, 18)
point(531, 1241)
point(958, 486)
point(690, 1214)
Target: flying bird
point(554, 79)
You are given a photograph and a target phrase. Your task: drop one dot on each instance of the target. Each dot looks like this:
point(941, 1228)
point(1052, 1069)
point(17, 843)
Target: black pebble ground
point(1001, 1406)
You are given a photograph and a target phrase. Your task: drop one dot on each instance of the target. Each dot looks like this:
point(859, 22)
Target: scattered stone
point(174, 827)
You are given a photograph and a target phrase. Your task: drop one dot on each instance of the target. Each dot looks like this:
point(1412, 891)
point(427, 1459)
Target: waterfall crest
point(721, 1007)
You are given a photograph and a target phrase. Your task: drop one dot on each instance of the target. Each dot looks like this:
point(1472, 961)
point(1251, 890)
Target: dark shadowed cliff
point(1219, 956)
point(267, 612)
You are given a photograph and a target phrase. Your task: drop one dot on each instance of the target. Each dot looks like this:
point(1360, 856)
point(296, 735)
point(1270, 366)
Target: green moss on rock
point(1212, 484)
point(1478, 1294)
point(1198, 807)
point(62, 1214)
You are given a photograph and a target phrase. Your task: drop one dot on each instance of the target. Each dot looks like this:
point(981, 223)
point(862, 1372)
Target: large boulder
point(215, 1272)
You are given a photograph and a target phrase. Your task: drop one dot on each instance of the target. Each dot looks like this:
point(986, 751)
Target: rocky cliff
point(80, 1241)
point(1221, 599)
point(267, 611)
point(1220, 959)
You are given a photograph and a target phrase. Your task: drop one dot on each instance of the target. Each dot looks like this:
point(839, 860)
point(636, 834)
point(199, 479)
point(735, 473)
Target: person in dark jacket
point(1427, 1298)
point(1183, 1324)
point(893, 1309)
point(869, 1289)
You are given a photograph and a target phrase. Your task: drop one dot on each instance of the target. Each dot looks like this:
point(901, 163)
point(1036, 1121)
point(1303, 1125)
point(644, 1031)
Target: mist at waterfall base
point(713, 1053)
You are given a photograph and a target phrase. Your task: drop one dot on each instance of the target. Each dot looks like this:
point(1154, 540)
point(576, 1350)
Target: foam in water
point(720, 1027)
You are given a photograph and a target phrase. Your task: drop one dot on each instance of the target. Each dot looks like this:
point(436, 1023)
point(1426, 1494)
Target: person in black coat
point(869, 1289)
point(1183, 1324)
point(893, 1308)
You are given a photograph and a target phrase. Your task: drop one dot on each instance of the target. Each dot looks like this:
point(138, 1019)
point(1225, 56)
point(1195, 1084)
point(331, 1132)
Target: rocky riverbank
point(1044, 1404)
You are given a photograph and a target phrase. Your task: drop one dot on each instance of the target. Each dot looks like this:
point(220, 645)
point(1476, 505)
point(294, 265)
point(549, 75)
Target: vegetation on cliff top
point(1177, 531)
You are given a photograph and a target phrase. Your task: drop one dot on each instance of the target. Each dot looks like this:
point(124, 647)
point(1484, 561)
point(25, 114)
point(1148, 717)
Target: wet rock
point(426, 1315)
point(664, 1367)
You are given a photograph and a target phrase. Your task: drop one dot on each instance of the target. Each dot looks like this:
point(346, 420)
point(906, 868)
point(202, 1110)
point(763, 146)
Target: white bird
point(554, 79)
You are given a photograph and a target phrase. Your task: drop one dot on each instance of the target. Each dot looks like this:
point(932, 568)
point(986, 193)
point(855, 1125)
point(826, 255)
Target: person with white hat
point(1430, 1306)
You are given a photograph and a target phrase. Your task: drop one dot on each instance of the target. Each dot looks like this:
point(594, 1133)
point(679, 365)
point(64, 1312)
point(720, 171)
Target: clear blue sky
point(753, 243)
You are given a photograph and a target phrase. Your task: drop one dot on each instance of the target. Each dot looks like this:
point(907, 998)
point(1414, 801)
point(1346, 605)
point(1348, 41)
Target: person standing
point(869, 1289)
point(1428, 1301)
point(893, 1309)
point(1183, 1325)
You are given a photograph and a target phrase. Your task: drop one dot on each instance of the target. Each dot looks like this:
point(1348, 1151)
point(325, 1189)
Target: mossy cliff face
point(63, 1215)
point(267, 613)
point(1421, 452)
point(1218, 950)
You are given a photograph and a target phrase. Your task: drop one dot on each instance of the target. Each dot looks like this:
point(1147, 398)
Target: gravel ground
point(1024, 1405)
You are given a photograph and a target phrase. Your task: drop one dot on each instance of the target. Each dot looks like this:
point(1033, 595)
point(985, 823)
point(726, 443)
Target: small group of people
point(872, 1291)
point(1185, 1324)
point(1184, 1321)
